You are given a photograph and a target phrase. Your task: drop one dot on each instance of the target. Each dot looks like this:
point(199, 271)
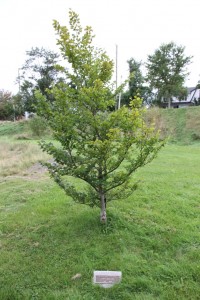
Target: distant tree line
point(166, 71)
point(156, 81)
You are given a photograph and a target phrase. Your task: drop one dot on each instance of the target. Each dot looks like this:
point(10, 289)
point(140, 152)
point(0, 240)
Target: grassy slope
point(18, 149)
point(8, 129)
point(152, 237)
point(183, 124)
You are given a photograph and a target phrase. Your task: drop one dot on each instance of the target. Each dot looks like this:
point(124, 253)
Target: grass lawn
point(153, 237)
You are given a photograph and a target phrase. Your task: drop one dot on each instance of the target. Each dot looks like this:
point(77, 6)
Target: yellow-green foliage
point(99, 145)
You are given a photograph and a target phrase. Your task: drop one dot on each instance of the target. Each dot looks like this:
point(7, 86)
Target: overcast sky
point(138, 27)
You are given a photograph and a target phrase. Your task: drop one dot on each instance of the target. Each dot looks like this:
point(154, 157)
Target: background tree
point(136, 84)
point(166, 71)
point(98, 146)
point(6, 105)
point(10, 106)
point(18, 104)
point(38, 73)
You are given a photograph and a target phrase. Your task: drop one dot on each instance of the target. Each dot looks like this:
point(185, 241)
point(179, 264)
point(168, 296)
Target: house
point(193, 98)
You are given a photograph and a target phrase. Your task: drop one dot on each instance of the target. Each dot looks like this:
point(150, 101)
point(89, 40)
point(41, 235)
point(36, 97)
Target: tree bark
point(103, 217)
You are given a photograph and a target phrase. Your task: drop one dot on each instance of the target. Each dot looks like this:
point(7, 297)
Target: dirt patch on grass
point(36, 171)
point(21, 158)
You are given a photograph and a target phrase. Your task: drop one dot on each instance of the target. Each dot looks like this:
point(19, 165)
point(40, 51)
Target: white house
point(193, 97)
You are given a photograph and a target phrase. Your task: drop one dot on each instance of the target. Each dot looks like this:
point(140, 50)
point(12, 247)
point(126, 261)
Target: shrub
point(38, 126)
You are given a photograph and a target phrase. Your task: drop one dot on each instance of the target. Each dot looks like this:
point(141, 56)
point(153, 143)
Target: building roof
point(191, 89)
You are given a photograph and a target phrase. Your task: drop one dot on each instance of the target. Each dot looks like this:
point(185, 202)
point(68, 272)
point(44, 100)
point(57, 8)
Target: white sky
point(138, 27)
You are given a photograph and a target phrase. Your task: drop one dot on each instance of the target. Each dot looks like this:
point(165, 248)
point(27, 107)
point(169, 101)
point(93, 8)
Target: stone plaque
point(107, 278)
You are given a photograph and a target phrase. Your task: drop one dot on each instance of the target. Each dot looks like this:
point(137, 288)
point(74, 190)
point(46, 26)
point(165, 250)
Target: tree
point(99, 146)
point(6, 106)
point(166, 71)
point(10, 106)
point(18, 106)
point(136, 84)
point(38, 72)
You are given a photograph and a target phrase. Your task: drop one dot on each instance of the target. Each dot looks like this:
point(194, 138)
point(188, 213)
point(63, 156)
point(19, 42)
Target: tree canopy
point(6, 105)
point(99, 146)
point(136, 84)
point(166, 71)
point(38, 72)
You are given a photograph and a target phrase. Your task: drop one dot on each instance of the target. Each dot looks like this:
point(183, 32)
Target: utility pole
point(19, 80)
point(116, 63)
point(120, 96)
point(116, 70)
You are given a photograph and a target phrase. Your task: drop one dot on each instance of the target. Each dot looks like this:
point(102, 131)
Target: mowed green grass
point(153, 236)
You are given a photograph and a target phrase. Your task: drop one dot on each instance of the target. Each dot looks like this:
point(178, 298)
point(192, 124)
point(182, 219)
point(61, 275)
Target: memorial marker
point(107, 279)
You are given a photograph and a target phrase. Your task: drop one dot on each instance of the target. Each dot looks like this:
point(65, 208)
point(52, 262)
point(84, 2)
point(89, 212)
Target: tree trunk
point(169, 103)
point(103, 217)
